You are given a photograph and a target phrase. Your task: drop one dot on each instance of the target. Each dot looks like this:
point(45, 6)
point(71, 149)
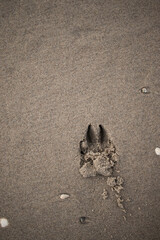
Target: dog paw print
point(99, 157)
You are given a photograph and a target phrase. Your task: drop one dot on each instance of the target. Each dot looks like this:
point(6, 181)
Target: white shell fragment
point(3, 222)
point(64, 196)
point(157, 150)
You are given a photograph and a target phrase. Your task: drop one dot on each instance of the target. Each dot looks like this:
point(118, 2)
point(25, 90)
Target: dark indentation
point(90, 161)
point(82, 220)
point(103, 138)
point(112, 169)
point(82, 150)
point(81, 162)
point(90, 136)
point(110, 156)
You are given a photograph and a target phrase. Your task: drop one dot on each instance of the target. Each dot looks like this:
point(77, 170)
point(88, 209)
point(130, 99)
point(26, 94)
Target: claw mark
point(102, 134)
point(90, 136)
point(103, 137)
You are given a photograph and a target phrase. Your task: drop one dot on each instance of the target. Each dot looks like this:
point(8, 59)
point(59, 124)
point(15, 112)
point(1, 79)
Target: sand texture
point(67, 65)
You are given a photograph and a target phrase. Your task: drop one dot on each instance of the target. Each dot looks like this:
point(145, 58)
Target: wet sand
point(64, 65)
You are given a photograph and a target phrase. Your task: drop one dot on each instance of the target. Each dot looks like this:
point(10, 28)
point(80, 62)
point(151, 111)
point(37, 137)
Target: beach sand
point(64, 65)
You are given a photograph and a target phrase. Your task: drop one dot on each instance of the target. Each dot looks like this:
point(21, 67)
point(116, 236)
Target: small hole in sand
point(82, 220)
point(4, 222)
point(145, 90)
point(157, 151)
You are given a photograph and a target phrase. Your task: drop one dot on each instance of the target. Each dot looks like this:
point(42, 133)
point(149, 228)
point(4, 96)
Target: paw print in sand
point(99, 157)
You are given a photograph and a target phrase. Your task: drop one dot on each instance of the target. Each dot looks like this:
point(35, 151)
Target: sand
point(64, 65)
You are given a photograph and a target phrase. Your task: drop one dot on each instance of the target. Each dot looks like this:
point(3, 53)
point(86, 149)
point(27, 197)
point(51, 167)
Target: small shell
point(157, 150)
point(145, 90)
point(64, 196)
point(3, 222)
